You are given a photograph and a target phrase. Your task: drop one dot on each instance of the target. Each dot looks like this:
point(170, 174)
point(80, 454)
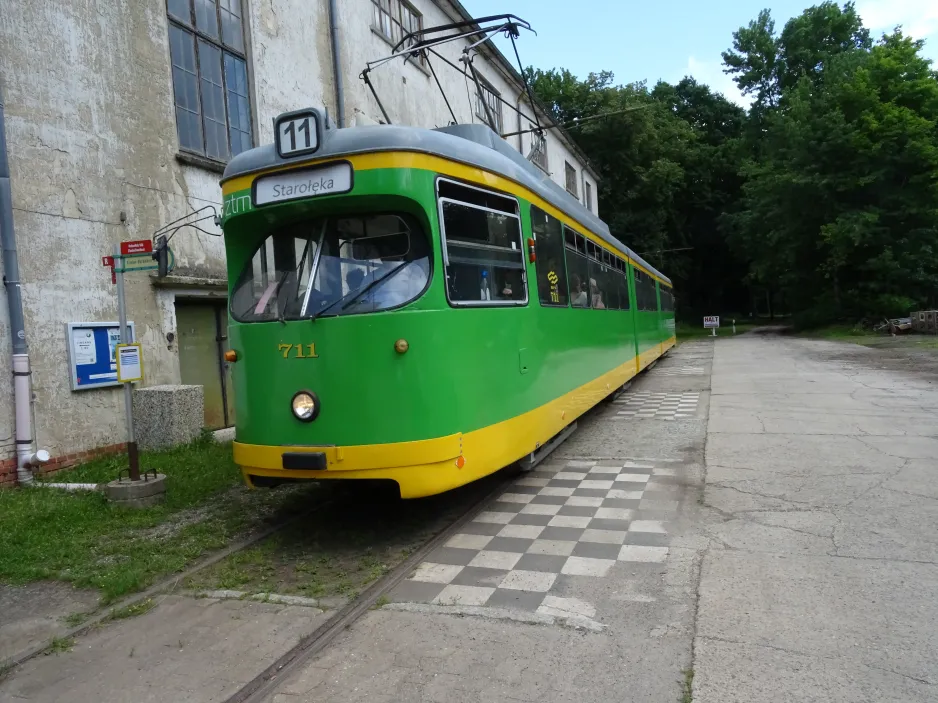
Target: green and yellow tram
point(424, 306)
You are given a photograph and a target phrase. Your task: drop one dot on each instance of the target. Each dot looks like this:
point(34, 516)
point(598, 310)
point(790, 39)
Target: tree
point(825, 193)
point(841, 209)
point(668, 171)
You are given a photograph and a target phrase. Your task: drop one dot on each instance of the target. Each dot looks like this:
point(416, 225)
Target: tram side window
point(646, 298)
point(667, 300)
point(604, 293)
point(577, 268)
point(551, 272)
point(482, 234)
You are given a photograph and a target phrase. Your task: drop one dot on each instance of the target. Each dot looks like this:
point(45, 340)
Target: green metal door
point(202, 331)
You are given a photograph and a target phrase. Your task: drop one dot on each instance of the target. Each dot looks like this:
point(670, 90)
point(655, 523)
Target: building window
point(395, 18)
point(488, 96)
point(538, 153)
point(210, 79)
point(588, 195)
point(570, 174)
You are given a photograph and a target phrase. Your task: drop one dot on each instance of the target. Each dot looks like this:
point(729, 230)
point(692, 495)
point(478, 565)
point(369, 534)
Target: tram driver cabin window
point(570, 175)
point(482, 246)
point(210, 77)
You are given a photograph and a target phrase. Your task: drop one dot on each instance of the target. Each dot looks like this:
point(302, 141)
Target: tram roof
point(471, 144)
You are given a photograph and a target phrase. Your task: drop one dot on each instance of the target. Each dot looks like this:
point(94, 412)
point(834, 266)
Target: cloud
point(711, 73)
point(919, 18)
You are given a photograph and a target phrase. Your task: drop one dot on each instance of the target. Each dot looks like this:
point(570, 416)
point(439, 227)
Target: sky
point(668, 39)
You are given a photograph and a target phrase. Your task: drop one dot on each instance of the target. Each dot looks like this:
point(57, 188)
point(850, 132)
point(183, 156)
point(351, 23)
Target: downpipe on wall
point(22, 386)
point(337, 64)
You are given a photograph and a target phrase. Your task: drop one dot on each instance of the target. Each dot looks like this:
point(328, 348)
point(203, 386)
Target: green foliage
point(839, 210)
point(823, 196)
point(668, 162)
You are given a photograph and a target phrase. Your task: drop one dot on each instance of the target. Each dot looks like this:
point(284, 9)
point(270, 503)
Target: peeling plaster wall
point(92, 135)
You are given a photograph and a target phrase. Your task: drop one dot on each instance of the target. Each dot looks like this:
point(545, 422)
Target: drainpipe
point(337, 64)
point(22, 392)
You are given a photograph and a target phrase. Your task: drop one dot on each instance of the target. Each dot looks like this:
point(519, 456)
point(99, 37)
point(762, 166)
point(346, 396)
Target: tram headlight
point(305, 406)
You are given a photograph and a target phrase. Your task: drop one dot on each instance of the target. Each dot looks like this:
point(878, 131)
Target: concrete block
point(137, 494)
point(166, 416)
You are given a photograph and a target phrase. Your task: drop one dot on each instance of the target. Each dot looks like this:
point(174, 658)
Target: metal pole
point(128, 387)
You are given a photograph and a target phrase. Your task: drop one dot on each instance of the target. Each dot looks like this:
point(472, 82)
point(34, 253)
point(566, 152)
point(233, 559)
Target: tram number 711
point(298, 351)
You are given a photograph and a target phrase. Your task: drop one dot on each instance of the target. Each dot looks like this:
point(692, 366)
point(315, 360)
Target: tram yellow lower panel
point(427, 467)
point(649, 355)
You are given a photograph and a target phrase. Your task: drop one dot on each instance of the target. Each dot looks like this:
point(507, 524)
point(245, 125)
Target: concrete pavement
point(760, 511)
point(820, 582)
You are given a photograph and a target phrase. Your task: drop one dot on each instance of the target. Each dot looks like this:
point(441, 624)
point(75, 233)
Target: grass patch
point(82, 539)
point(338, 550)
point(382, 601)
point(74, 619)
point(687, 687)
point(59, 645)
point(867, 338)
point(132, 611)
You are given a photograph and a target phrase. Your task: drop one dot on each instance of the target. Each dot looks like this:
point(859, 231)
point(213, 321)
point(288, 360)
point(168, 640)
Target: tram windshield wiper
point(354, 295)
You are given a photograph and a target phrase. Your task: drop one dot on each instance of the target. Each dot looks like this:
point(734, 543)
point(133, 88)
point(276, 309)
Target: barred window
point(570, 179)
point(489, 96)
point(538, 153)
point(395, 18)
point(210, 78)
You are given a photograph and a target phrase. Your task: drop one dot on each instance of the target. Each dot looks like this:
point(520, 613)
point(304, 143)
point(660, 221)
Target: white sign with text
point(306, 183)
point(711, 322)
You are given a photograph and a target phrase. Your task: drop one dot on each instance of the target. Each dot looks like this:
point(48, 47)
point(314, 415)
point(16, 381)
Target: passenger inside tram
point(578, 296)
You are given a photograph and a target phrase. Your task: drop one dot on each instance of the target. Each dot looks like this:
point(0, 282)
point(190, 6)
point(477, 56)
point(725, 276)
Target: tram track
point(267, 681)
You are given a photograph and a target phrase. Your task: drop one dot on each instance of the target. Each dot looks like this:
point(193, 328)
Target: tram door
point(202, 329)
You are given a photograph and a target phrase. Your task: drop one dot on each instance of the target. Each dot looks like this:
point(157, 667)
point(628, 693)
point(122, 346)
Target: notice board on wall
point(92, 353)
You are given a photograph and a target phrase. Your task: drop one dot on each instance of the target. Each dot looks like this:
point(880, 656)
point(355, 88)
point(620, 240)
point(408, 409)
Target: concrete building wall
point(95, 159)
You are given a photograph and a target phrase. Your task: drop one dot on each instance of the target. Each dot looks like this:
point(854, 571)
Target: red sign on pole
point(109, 261)
point(138, 246)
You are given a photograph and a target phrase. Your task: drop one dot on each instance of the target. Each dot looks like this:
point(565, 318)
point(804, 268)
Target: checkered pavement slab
point(657, 405)
point(576, 519)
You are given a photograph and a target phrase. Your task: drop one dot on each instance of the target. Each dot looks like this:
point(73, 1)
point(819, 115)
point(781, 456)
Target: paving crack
point(817, 655)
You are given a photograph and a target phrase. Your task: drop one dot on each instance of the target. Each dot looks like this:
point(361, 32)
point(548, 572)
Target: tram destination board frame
point(90, 347)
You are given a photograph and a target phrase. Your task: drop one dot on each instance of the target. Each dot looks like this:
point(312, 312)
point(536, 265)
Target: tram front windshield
point(357, 264)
